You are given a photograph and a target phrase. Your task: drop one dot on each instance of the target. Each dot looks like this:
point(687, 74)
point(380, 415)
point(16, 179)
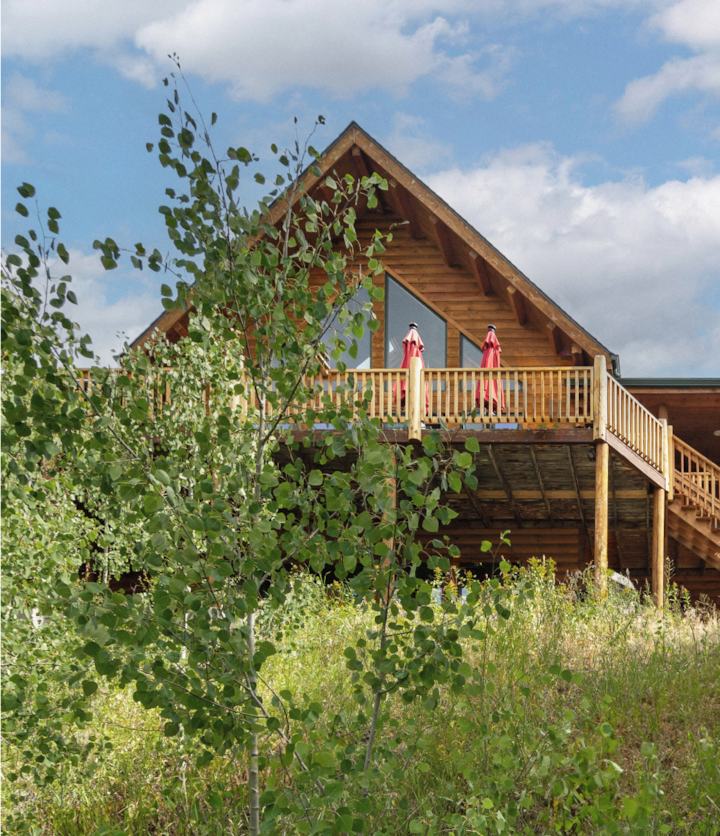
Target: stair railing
point(696, 478)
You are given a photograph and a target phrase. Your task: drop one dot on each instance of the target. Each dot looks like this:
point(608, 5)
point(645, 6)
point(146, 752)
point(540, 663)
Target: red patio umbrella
point(490, 360)
point(413, 346)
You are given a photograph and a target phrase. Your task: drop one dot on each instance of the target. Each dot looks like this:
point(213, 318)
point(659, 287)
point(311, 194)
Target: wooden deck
point(542, 469)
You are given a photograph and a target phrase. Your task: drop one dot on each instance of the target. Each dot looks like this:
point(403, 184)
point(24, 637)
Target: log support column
point(602, 462)
point(414, 398)
point(658, 547)
point(660, 499)
point(602, 470)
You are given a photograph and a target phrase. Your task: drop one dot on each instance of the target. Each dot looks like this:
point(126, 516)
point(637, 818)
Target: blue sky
point(582, 137)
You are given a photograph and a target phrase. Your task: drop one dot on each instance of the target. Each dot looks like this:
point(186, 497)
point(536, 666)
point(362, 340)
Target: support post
point(415, 387)
point(670, 475)
point(658, 548)
point(600, 404)
point(602, 467)
point(602, 461)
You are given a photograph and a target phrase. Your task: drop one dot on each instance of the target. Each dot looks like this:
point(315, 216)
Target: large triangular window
point(401, 308)
point(336, 328)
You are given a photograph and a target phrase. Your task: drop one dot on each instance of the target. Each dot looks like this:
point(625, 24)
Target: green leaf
point(472, 445)
point(62, 253)
point(325, 759)
point(89, 687)
point(26, 190)
point(21, 209)
point(166, 290)
point(315, 478)
point(630, 806)
point(430, 524)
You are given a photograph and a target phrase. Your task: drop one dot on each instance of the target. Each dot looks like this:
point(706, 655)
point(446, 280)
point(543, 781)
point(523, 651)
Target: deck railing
point(556, 395)
point(528, 395)
point(634, 424)
point(535, 396)
point(697, 479)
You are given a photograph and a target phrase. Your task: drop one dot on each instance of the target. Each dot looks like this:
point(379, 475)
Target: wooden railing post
point(600, 399)
point(414, 398)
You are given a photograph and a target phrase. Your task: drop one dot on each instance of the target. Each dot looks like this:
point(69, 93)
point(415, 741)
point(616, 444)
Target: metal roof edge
point(670, 382)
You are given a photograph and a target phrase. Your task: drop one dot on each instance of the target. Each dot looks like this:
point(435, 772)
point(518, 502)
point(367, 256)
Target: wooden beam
point(178, 329)
point(444, 242)
point(602, 458)
point(555, 337)
point(577, 355)
point(615, 511)
point(577, 493)
point(480, 271)
point(542, 485)
point(517, 303)
point(632, 458)
point(478, 506)
point(557, 494)
point(658, 552)
point(361, 166)
point(404, 208)
point(648, 564)
point(503, 481)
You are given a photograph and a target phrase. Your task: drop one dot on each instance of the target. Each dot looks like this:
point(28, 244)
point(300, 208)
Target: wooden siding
point(453, 293)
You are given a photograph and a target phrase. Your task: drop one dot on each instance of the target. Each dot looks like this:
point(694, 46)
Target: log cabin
point(579, 464)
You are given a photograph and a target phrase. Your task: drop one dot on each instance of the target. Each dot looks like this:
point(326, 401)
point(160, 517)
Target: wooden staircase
point(693, 517)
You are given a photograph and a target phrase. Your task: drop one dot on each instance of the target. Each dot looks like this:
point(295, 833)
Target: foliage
point(665, 729)
point(208, 497)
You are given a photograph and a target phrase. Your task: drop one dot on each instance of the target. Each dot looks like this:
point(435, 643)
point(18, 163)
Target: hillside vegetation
point(577, 716)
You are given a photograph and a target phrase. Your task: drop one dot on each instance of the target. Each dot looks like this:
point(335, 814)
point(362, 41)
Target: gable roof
point(459, 242)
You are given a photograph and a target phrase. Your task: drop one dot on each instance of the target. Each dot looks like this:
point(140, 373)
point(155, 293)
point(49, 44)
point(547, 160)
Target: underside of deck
point(540, 486)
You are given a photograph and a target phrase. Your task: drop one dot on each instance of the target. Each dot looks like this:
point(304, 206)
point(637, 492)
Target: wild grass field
point(587, 716)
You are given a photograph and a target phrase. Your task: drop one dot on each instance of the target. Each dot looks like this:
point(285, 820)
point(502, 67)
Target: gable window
point(401, 308)
point(470, 354)
point(364, 343)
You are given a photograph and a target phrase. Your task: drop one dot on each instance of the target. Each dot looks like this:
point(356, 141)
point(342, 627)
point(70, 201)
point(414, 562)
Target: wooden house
point(580, 465)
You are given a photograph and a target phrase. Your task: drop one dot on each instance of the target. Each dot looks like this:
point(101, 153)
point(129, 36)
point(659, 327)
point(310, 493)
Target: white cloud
point(45, 30)
point(263, 47)
point(636, 266)
point(24, 93)
point(410, 142)
point(697, 166)
point(691, 23)
point(21, 95)
point(260, 48)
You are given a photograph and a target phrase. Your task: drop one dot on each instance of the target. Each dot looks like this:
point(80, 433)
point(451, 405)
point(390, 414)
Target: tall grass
point(634, 715)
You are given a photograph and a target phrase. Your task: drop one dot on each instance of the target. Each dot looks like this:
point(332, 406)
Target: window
point(470, 354)
point(364, 354)
point(402, 308)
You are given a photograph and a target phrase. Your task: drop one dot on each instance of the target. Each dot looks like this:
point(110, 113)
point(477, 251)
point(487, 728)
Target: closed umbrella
point(490, 360)
point(413, 346)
